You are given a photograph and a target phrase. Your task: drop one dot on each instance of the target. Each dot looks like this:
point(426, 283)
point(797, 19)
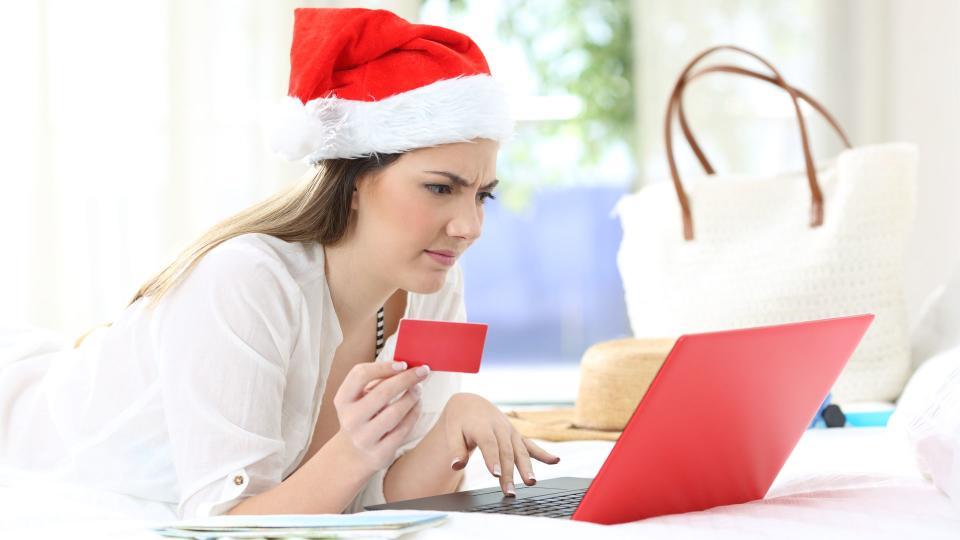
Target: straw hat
point(614, 376)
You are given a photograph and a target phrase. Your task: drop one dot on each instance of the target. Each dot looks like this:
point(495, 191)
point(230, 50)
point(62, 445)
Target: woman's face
point(418, 215)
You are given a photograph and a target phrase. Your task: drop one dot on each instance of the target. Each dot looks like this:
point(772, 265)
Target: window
point(544, 274)
point(589, 81)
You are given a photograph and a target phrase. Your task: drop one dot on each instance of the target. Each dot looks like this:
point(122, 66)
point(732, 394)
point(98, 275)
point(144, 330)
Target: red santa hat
point(366, 81)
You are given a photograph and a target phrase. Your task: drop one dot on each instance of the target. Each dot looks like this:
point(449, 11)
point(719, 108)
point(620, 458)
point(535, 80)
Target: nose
point(467, 222)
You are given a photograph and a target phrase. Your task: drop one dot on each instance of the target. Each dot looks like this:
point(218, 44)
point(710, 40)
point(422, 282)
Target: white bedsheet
point(842, 483)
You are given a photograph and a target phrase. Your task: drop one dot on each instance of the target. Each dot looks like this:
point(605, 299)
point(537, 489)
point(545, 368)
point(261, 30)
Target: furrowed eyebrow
point(461, 181)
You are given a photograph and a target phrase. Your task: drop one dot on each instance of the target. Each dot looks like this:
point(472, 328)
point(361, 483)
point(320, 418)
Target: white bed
point(838, 483)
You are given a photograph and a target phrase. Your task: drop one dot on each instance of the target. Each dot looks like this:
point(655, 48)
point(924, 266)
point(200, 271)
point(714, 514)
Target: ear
point(358, 185)
point(361, 184)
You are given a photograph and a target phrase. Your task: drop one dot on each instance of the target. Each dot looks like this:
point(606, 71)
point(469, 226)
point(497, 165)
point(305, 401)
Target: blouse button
point(238, 480)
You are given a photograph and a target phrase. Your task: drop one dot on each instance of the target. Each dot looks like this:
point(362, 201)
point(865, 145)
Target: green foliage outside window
point(580, 48)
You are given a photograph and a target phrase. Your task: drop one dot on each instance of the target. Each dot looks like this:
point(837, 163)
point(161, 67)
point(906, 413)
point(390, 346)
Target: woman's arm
point(373, 424)
point(421, 471)
point(323, 485)
point(468, 421)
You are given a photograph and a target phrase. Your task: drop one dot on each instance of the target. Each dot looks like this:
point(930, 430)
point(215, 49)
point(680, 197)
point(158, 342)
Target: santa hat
point(366, 81)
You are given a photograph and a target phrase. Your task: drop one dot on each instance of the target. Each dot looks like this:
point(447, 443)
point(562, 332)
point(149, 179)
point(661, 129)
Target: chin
point(427, 283)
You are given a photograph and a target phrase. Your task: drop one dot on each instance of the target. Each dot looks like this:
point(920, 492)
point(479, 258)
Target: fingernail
point(511, 491)
point(531, 477)
point(399, 366)
point(418, 389)
point(456, 462)
point(423, 370)
point(496, 470)
point(556, 460)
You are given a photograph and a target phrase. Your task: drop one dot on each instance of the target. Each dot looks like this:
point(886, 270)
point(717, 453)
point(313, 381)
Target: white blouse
point(208, 398)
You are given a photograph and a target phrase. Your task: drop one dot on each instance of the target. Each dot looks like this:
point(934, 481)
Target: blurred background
point(127, 128)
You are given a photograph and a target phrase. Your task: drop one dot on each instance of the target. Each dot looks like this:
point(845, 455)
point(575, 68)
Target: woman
point(240, 378)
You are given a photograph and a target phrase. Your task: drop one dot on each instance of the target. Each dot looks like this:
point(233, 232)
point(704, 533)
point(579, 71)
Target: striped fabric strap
point(379, 333)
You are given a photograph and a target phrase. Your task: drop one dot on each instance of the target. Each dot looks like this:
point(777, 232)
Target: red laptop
point(716, 425)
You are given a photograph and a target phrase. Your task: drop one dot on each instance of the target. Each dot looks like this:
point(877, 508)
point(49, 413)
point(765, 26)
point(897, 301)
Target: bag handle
point(674, 104)
point(817, 106)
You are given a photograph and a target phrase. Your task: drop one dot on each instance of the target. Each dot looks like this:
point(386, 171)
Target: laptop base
point(552, 497)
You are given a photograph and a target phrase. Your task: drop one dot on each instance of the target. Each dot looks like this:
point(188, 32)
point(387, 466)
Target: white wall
point(893, 66)
point(924, 107)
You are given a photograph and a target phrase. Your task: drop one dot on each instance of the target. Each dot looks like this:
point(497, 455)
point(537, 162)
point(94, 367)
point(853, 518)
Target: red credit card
point(442, 345)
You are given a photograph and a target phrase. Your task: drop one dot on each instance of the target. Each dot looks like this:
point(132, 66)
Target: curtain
point(128, 128)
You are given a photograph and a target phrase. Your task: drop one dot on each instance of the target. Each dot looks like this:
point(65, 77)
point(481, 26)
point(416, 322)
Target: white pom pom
point(296, 130)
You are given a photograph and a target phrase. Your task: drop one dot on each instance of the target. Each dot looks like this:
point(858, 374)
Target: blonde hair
point(316, 209)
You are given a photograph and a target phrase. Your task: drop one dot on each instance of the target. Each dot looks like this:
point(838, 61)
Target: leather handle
point(816, 195)
point(817, 106)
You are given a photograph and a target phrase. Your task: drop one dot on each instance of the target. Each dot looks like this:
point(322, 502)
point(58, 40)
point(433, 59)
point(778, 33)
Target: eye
point(484, 196)
point(439, 189)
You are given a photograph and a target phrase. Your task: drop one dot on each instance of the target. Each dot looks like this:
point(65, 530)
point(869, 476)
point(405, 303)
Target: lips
point(444, 252)
point(444, 257)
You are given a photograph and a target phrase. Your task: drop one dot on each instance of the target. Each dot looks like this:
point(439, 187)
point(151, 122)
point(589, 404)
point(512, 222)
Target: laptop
point(716, 425)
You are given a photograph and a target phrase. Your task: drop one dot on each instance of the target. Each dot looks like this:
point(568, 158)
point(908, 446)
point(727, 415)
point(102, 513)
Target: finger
point(391, 416)
point(505, 455)
point(459, 451)
point(540, 454)
point(395, 437)
point(351, 389)
point(378, 398)
point(522, 457)
point(491, 454)
point(371, 385)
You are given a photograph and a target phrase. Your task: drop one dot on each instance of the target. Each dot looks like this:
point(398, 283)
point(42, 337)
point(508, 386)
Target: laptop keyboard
point(561, 505)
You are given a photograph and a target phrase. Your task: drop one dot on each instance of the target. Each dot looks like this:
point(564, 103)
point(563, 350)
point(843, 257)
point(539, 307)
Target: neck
point(355, 287)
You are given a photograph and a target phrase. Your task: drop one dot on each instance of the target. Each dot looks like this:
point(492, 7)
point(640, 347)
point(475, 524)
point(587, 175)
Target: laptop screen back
point(720, 419)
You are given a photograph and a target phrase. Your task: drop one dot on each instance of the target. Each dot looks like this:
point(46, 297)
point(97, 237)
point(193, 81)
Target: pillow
point(929, 414)
point(923, 386)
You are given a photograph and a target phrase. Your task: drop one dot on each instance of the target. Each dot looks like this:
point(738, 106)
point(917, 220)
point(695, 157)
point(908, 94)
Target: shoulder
point(254, 256)
point(297, 259)
point(249, 270)
point(242, 287)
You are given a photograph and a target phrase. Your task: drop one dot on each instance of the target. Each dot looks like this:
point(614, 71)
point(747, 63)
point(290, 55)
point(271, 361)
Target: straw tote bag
point(724, 251)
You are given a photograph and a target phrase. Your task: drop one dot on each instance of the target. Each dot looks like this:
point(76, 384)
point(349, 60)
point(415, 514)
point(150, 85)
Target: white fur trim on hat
point(447, 111)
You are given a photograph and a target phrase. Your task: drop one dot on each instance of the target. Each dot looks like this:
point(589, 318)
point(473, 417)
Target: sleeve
point(444, 305)
point(223, 339)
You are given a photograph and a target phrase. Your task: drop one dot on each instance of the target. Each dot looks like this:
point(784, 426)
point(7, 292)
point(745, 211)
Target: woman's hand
point(471, 421)
point(377, 405)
